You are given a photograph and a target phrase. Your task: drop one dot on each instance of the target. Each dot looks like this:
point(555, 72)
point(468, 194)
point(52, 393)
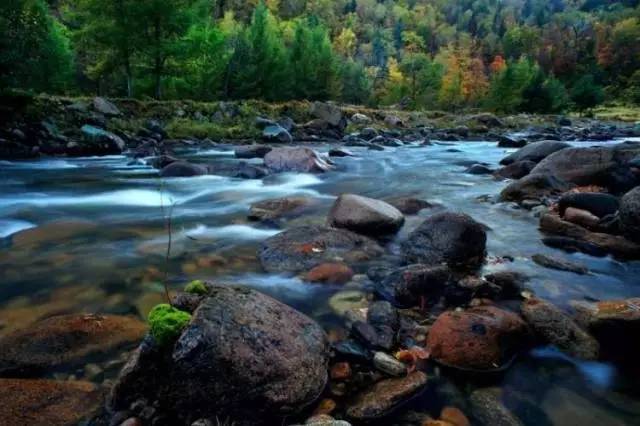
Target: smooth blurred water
point(88, 235)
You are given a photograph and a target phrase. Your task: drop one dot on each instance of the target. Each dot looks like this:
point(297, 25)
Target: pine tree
point(586, 93)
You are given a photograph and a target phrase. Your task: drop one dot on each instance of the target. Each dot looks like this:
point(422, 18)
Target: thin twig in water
point(167, 217)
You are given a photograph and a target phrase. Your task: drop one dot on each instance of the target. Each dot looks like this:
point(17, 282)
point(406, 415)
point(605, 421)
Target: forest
point(505, 56)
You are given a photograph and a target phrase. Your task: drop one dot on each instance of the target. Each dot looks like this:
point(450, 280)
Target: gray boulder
point(276, 133)
point(297, 159)
point(365, 215)
point(105, 107)
point(183, 169)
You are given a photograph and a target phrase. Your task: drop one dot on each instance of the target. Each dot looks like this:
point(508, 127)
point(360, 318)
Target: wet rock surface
point(365, 215)
point(300, 249)
point(384, 396)
point(535, 152)
point(242, 348)
point(304, 160)
point(279, 208)
point(483, 338)
point(555, 327)
point(64, 342)
point(451, 238)
point(630, 214)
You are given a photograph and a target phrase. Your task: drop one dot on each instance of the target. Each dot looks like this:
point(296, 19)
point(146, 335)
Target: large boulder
point(276, 133)
point(302, 248)
point(534, 186)
point(298, 159)
point(616, 325)
point(599, 204)
point(105, 107)
point(535, 152)
point(65, 342)
point(183, 169)
point(604, 166)
point(554, 327)
point(365, 215)
point(482, 338)
point(329, 113)
point(630, 214)
point(48, 402)
point(451, 238)
point(102, 140)
point(242, 349)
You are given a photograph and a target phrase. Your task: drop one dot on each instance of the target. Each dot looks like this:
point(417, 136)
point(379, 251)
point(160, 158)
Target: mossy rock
point(196, 287)
point(167, 322)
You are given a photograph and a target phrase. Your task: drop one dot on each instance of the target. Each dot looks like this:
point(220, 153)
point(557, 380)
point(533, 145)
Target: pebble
point(454, 416)
point(132, 421)
point(341, 371)
point(93, 372)
point(325, 406)
point(388, 364)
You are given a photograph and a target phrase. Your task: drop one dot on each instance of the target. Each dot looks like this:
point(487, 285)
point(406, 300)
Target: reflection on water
point(87, 235)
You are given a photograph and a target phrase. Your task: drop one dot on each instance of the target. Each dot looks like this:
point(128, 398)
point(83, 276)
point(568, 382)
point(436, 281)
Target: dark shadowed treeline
point(503, 55)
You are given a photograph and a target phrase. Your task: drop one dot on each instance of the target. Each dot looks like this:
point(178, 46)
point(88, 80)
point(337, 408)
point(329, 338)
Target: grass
point(617, 113)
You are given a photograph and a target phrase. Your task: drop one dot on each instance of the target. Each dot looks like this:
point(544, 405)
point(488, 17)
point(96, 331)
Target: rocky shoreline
point(424, 320)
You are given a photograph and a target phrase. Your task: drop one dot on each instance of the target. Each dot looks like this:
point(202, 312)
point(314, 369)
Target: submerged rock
point(483, 338)
point(489, 410)
point(183, 169)
point(451, 238)
point(298, 159)
point(630, 214)
point(406, 285)
point(47, 402)
point(302, 248)
point(559, 264)
point(555, 327)
point(330, 273)
point(386, 395)
point(242, 349)
point(365, 215)
point(278, 208)
point(64, 342)
point(409, 205)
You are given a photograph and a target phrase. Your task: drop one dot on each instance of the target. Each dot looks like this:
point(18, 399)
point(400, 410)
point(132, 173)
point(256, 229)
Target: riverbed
point(89, 235)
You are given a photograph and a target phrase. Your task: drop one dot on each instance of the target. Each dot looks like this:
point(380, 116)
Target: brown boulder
point(47, 402)
point(383, 397)
point(581, 217)
point(613, 244)
point(482, 338)
point(365, 215)
point(298, 159)
point(65, 341)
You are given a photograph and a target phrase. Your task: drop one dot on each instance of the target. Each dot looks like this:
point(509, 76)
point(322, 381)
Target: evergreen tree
point(586, 93)
point(34, 49)
point(356, 85)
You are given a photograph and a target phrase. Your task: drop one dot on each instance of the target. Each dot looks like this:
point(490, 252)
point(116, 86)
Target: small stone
point(93, 372)
point(340, 371)
point(388, 364)
point(454, 416)
point(559, 264)
point(581, 217)
point(325, 406)
point(383, 397)
point(132, 421)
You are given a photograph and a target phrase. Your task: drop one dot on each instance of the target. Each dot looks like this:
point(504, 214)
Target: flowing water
point(88, 235)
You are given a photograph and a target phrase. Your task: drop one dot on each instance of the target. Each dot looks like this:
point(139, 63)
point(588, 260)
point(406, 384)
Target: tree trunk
point(127, 68)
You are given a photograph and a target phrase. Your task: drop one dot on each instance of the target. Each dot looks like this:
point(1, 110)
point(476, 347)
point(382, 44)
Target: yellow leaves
point(345, 43)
